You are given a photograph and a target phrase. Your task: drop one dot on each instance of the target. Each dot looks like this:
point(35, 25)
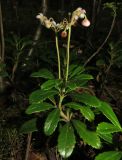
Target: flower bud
point(63, 34)
point(85, 23)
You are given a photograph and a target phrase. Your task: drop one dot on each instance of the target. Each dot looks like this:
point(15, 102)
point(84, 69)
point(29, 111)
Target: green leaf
point(66, 141)
point(29, 126)
point(110, 155)
point(107, 128)
point(74, 84)
point(40, 95)
point(72, 67)
point(75, 71)
point(89, 137)
point(87, 99)
point(43, 73)
point(39, 107)
point(71, 86)
point(80, 83)
point(73, 105)
point(106, 109)
point(84, 77)
point(106, 137)
point(85, 110)
point(50, 84)
point(87, 113)
point(52, 122)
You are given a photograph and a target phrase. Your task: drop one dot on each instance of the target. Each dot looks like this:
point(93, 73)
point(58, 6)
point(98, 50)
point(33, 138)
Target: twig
point(2, 36)
point(98, 7)
point(38, 31)
point(36, 37)
point(2, 47)
point(15, 67)
point(109, 93)
point(28, 145)
point(93, 11)
point(107, 37)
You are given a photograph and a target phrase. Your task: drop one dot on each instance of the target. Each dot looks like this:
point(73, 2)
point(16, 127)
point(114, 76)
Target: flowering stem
point(60, 102)
point(68, 48)
point(58, 56)
point(65, 117)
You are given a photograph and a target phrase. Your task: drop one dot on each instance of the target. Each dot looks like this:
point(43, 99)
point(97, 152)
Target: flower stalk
point(58, 56)
point(68, 53)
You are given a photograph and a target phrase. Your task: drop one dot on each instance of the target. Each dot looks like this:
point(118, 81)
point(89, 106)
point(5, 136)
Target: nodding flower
point(79, 13)
point(85, 22)
point(41, 17)
point(47, 23)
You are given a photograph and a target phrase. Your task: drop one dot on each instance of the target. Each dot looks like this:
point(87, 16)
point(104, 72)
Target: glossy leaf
point(71, 86)
point(39, 107)
point(87, 99)
point(85, 110)
point(73, 105)
point(50, 84)
point(29, 126)
point(106, 109)
point(89, 137)
point(110, 155)
point(80, 83)
point(40, 95)
point(106, 137)
point(107, 128)
point(76, 71)
point(75, 84)
point(87, 113)
point(43, 73)
point(72, 67)
point(52, 122)
point(66, 140)
point(84, 77)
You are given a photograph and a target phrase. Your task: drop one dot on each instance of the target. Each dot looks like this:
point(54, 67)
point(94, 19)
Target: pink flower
point(85, 23)
point(84, 11)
